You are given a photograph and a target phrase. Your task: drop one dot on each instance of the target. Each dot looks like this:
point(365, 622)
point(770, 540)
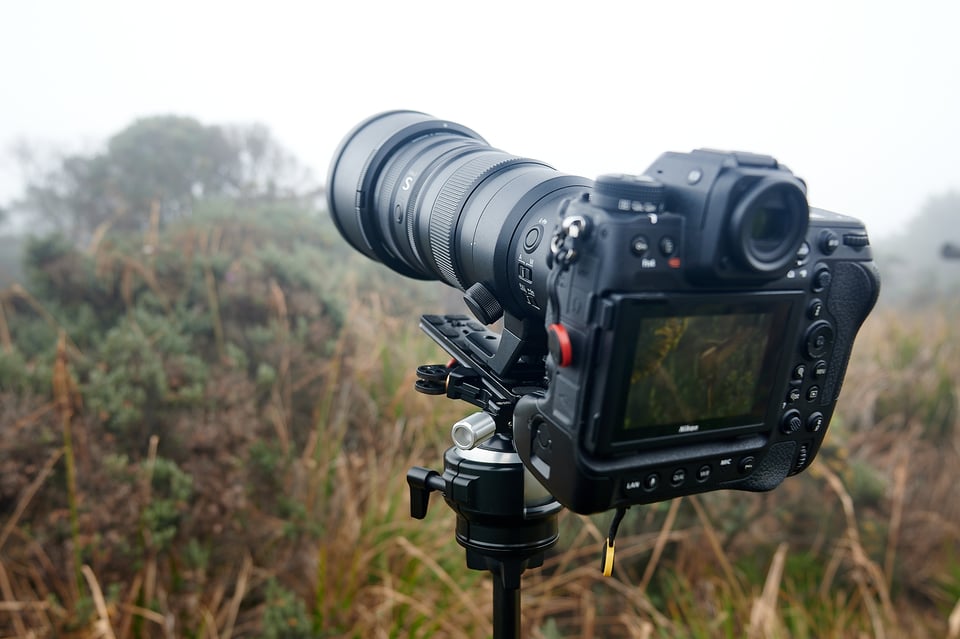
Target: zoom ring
point(448, 205)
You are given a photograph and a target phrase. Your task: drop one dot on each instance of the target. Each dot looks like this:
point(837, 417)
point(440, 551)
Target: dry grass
point(863, 545)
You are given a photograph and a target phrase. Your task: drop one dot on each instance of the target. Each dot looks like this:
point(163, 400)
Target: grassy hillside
point(204, 432)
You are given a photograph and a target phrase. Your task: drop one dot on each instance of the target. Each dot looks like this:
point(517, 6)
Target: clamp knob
point(482, 303)
point(472, 431)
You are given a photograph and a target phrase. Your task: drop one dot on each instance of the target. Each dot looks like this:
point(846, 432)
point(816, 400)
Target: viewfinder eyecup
point(768, 224)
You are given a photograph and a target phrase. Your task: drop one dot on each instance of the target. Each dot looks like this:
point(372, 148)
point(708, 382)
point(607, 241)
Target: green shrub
point(171, 490)
point(285, 616)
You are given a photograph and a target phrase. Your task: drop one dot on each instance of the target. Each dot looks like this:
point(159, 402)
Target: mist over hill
point(164, 165)
point(921, 264)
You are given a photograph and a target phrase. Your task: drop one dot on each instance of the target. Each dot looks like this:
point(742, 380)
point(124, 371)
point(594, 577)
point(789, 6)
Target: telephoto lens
point(432, 200)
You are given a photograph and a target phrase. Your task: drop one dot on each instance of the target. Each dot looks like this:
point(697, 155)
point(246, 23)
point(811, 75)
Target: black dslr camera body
point(700, 335)
point(677, 332)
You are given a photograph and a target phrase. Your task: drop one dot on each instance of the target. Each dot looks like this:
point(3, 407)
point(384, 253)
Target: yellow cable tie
point(607, 561)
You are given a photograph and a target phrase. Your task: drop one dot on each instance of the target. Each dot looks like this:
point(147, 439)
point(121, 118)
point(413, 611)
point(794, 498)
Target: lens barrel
point(358, 180)
point(431, 200)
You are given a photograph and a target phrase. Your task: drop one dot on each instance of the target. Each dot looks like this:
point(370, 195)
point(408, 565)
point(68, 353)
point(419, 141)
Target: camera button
point(829, 241)
point(640, 245)
point(820, 370)
point(703, 473)
point(813, 393)
point(558, 343)
point(532, 240)
point(651, 481)
point(815, 310)
point(747, 464)
point(799, 371)
point(678, 477)
point(793, 395)
point(667, 246)
point(819, 339)
point(815, 422)
point(791, 422)
point(803, 253)
point(821, 279)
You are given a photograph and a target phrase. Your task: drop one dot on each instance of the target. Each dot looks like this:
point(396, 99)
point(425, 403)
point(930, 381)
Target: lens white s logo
point(407, 183)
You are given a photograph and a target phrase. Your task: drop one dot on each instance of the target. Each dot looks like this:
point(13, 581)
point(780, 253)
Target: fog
point(858, 98)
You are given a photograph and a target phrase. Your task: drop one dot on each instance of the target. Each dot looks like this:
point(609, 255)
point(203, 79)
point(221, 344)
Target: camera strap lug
point(564, 249)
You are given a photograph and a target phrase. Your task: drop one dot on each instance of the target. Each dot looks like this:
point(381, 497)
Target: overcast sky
point(861, 99)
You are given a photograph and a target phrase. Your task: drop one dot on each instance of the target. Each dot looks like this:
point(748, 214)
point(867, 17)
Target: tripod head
point(506, 519)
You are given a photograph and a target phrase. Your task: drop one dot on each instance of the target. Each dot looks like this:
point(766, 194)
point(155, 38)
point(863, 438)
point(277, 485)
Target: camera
point(675, 332)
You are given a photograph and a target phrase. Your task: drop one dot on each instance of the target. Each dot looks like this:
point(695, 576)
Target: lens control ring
point(449, 204)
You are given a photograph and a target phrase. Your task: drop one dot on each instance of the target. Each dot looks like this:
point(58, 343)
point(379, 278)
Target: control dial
point(629, 193)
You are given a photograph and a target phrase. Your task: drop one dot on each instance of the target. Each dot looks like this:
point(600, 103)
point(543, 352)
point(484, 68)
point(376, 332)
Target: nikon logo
point(689, 428)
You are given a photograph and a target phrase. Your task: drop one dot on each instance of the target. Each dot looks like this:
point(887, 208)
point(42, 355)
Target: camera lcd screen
point(699, 367)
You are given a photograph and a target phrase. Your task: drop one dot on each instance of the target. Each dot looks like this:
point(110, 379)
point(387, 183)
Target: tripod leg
point(503, 528)
point(506, 610)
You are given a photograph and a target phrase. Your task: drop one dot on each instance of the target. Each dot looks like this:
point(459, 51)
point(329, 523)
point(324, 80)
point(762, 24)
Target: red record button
point(558, 341)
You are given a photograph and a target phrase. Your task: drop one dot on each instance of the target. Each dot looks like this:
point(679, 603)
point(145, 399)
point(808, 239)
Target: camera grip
point(771, 471)
point(854, 291)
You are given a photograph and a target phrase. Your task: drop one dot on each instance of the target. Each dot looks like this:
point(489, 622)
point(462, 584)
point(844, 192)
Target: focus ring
point(415, 207)
point(446, 209)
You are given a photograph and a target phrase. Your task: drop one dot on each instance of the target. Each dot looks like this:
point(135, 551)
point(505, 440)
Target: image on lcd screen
point(693, 369)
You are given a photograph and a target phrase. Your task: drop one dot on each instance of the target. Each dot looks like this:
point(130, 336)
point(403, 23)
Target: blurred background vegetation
point(207, 413)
